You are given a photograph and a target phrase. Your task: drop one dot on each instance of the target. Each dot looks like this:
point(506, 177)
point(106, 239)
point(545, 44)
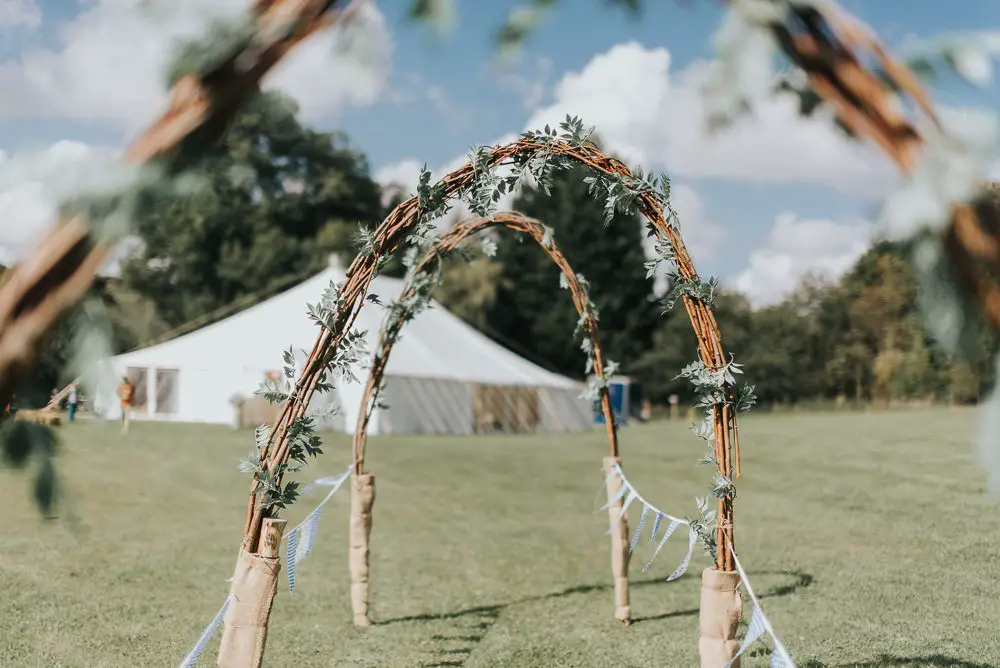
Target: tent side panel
point(426, 406)
point(562, 410)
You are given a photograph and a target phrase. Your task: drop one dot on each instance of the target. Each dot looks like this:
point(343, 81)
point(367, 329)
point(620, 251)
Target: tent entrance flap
point(506, 409)
point(166, 391)
point(140, 393)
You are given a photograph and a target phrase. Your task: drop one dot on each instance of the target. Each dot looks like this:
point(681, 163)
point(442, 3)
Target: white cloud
point(110, 60)
point(20, 13)
point(529, 84)
point(796, 248)
point(653, 117)
point(33, 184)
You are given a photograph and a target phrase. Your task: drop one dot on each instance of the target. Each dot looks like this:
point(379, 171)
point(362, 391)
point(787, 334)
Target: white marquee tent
point(443, 377)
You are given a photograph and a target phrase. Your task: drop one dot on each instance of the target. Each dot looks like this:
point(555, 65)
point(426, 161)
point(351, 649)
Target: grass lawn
point(870, 537)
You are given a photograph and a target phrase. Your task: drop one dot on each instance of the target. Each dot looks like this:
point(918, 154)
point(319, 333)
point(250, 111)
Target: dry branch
point(388, 239)
point(862, 82)
point(57, 272)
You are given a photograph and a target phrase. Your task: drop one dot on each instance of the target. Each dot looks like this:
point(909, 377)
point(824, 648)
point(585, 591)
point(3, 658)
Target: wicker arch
point(406, 224)
point(430, 262)
point(391, 235)
point(362, 491)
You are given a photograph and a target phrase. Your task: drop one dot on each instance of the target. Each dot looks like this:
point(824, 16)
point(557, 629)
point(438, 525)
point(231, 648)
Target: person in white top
point(71, 401)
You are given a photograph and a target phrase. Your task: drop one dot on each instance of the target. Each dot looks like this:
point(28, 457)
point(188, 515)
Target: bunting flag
point(302, 538)
point(300, 542)
point(206, 635)
point(692, 539)
point(631, 496)
point(759, 625)
point(754, 631)
point(666, 535)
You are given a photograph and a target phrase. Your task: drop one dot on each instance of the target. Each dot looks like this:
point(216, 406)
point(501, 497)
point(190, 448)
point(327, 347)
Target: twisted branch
point(57, 272)
point(862, 82)
point(390, 236)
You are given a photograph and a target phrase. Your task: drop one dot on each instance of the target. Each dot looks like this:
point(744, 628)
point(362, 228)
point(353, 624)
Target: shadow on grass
point(474, 624)
point(800, 580)
point(472, 633)
point(888, 661)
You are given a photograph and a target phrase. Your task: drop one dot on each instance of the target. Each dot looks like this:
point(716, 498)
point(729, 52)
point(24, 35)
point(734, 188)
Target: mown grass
point(870, 536)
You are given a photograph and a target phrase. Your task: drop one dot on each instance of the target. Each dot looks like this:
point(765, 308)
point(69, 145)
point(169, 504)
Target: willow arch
point(478, 183)
point(362, 489)
point(443, 247)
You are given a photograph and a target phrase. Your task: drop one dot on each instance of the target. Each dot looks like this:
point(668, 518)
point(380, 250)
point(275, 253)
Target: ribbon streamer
point(666, 535)
point(638, 531)
point(206, 635)
point(300, 542)
point(303, 536)
point(692, 539)
point(631, 495)
point(780, 658)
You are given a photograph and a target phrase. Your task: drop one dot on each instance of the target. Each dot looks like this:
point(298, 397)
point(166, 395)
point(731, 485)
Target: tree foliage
point(274, 200)
point(531, 312)
point(861, 338)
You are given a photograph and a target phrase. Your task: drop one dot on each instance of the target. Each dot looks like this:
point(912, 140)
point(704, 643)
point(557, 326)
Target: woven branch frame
point(442, 248)
point(864, 83)
point(389, 237)
point(57, 272)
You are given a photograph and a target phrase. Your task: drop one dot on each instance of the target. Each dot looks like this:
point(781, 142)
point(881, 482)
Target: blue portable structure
point(618, 392)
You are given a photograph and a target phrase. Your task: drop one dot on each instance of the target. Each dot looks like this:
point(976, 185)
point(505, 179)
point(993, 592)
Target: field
point(869, 535)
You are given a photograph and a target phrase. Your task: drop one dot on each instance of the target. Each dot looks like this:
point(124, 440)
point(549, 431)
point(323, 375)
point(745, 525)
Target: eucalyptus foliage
point(617, 193)
point(24, 442)
point(520, 22)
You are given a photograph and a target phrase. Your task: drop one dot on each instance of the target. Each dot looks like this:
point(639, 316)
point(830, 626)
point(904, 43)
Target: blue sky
point(449, 94)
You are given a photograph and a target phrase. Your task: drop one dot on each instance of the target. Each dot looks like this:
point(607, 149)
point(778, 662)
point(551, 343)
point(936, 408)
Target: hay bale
point(46, 417)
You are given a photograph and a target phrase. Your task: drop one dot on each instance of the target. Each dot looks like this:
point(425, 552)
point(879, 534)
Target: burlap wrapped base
point(245, 633)
point(619, 544)
point(362, 499)
point(721, 609)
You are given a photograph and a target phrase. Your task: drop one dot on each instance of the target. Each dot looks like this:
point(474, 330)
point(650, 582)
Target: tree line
point(277, 198)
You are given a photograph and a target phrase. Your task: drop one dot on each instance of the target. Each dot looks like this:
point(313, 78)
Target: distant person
point(52, 399)
point(71, 401)
point(126, 391)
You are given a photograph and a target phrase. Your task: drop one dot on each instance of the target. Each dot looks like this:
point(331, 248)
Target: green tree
point(674, 346)
point(276, 198)
point(53, 369)
point(778, 355)
point(535, 316)
point(469, 289)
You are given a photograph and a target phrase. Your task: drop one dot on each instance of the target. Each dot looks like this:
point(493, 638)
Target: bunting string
point(300, 541)
point(206, 635)
point(631, 495)
point(759, 625)
point(302, 538)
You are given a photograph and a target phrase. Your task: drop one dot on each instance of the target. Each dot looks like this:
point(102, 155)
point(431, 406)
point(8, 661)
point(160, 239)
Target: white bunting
point(692, 539)
point(300, 542)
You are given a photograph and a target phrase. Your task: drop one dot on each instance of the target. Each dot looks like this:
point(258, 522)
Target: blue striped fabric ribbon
point(192, 658)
